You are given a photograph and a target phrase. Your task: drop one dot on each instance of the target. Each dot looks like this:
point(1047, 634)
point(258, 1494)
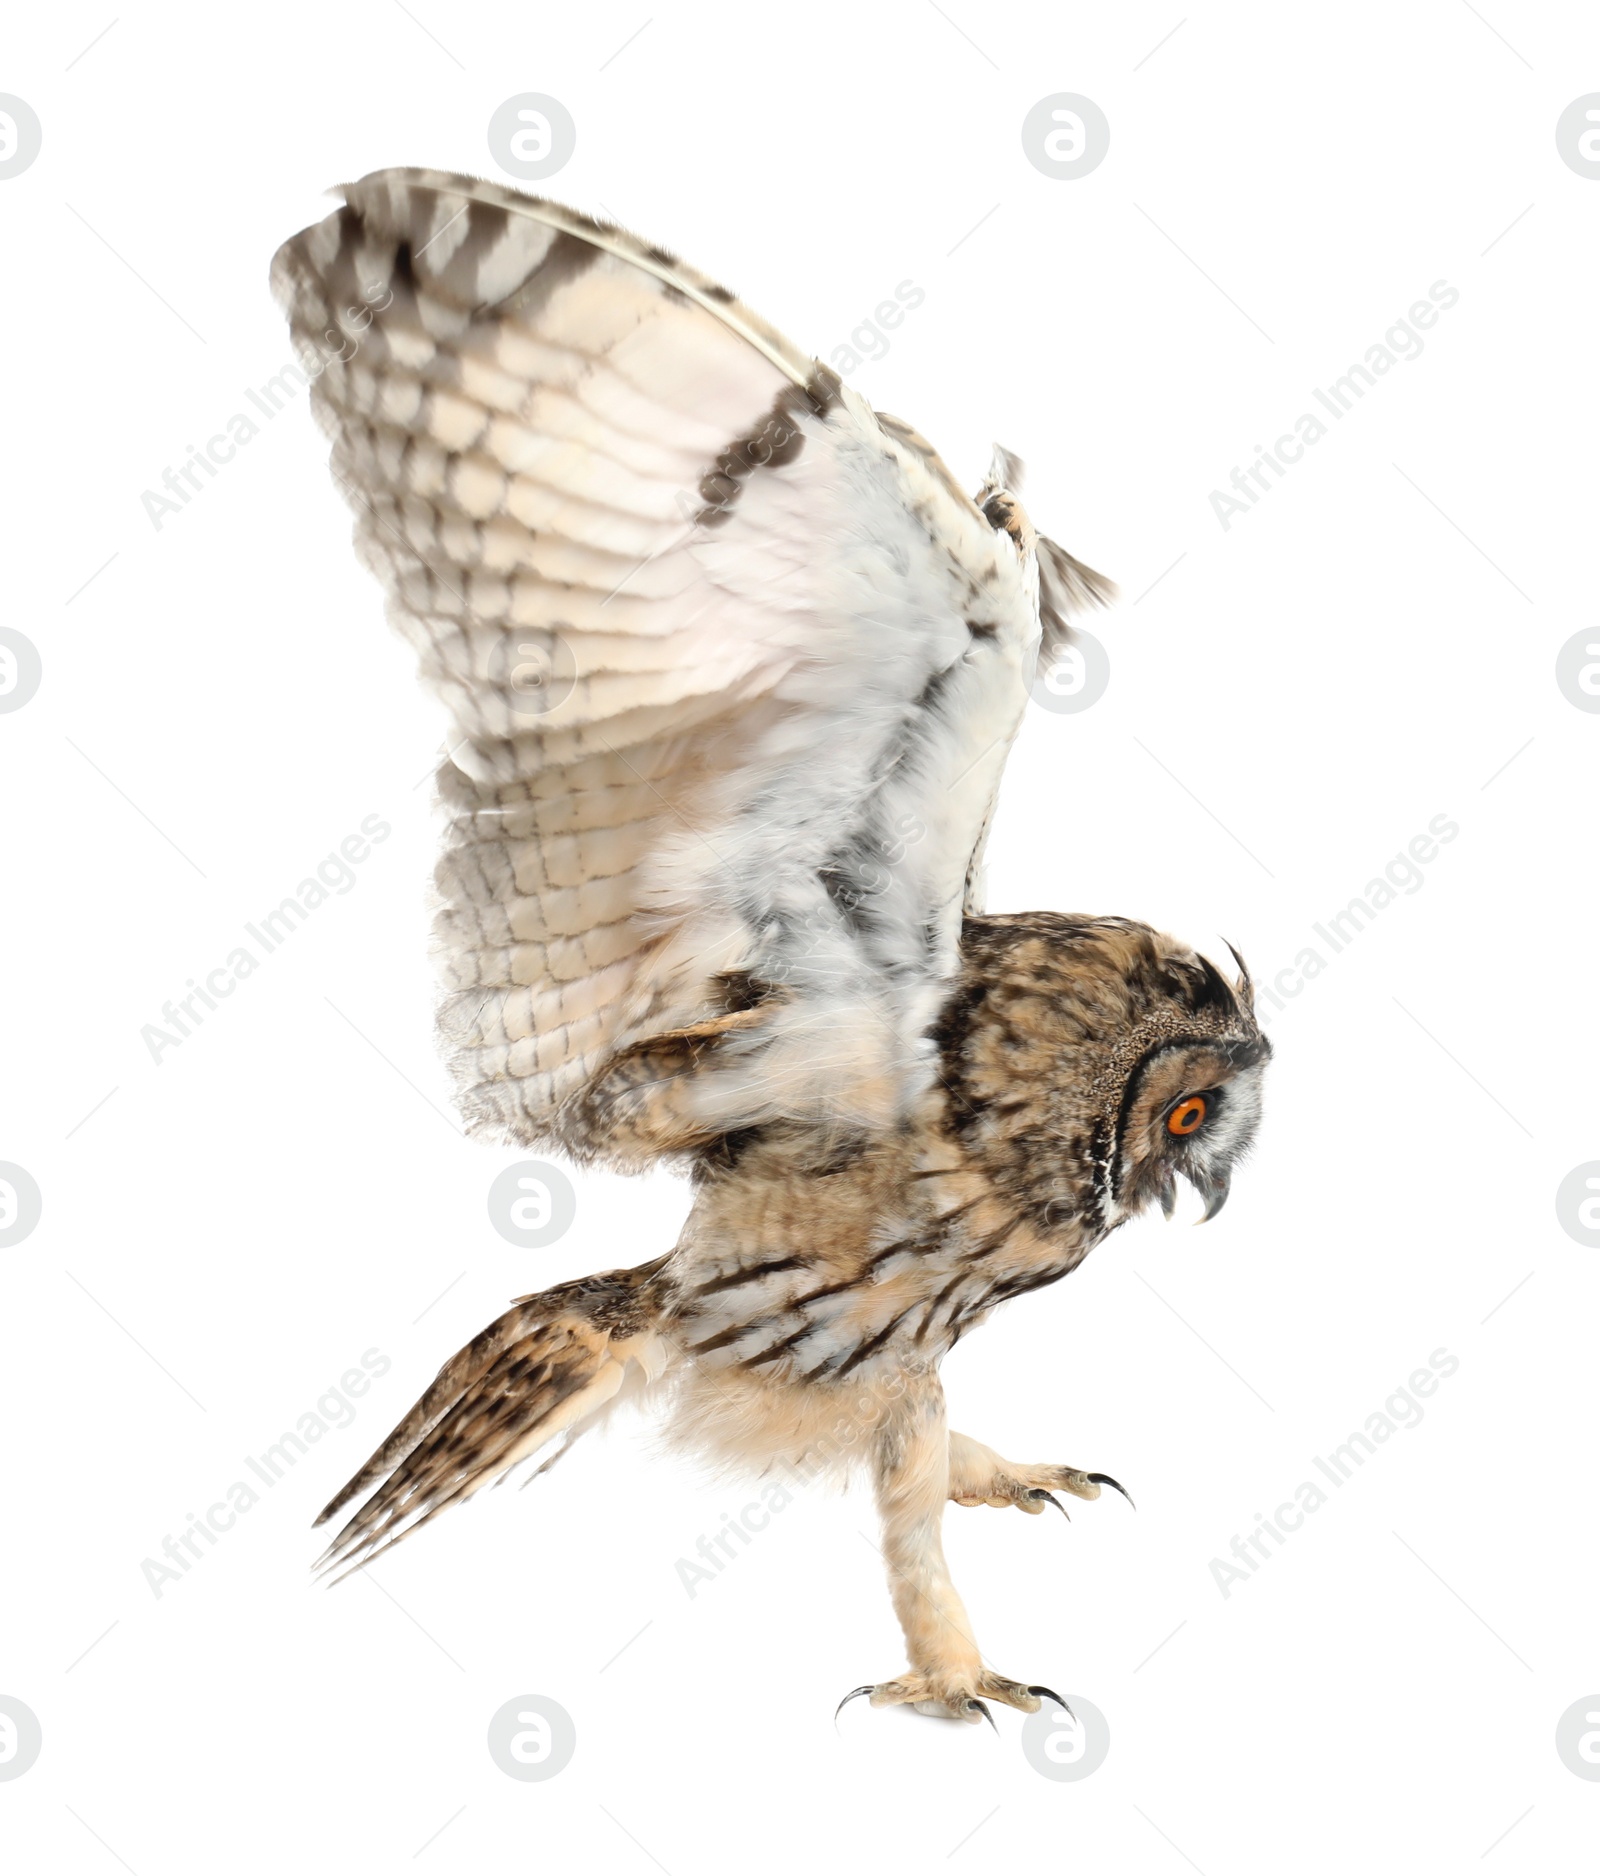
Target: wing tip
point(387, 198)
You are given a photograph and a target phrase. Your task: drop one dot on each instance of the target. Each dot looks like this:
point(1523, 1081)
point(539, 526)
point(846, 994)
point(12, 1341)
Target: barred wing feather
point(731, 663)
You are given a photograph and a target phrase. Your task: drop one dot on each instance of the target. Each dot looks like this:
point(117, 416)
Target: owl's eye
point(1187, 1115)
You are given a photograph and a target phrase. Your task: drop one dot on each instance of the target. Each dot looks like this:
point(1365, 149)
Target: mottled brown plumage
point(820, 1278)
point(733, 666)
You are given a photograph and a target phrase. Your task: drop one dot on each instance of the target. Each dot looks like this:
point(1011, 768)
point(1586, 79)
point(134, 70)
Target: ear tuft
point(1246, 985)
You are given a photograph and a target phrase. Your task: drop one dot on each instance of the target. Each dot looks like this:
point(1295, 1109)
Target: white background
point(1369, 647)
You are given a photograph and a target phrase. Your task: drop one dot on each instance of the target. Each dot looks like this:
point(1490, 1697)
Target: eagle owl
point(733, 665)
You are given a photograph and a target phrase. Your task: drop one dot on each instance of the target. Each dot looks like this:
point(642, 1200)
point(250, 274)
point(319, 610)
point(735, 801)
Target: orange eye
point(1187, 1115)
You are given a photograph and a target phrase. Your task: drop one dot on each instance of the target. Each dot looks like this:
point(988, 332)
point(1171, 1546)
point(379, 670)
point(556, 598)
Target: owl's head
point(1189, 1110)
point(1092, 1063)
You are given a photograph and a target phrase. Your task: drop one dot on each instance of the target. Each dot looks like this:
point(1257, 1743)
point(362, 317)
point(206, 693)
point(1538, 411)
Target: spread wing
point(732, 666)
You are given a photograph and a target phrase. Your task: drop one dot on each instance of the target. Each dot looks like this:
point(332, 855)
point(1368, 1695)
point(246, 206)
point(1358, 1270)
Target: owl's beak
point(1169, 1196)
point(1215, 1190)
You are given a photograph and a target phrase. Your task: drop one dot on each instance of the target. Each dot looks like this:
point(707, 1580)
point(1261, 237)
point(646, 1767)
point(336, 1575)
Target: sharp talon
point(984, 1711)
point(855, 1693)
point(1058, 1505)
point(1046, 1693)
point(1105, 1478)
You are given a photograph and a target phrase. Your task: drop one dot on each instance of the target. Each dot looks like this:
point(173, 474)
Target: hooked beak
point(1212, 1187)
point(1215, 1193)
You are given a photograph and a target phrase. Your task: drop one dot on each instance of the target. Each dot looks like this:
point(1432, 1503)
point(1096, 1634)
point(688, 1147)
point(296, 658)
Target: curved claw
point(855, 1693)
point(984, 1711)
point(1105, 1478)
point(1048, 1693)
point(1041, 1493)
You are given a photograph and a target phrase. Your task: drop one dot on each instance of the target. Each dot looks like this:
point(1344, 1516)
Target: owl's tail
point(554, 1363)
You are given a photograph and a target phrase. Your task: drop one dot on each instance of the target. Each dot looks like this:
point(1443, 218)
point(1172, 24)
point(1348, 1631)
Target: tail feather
point(549, 1365)
point(1067, 587)
point(448, 1386)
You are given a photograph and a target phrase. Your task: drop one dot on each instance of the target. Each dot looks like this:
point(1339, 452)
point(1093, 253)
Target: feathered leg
point(912, 1482)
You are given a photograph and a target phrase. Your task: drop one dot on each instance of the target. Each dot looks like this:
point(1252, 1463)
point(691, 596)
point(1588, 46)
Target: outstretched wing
point(732, 666)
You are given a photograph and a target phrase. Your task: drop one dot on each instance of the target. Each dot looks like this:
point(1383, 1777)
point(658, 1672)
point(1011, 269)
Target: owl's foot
point(1031, 1488)
point(959, 1697)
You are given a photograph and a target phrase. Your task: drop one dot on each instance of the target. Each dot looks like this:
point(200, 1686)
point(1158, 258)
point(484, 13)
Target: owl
point(732, 665)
